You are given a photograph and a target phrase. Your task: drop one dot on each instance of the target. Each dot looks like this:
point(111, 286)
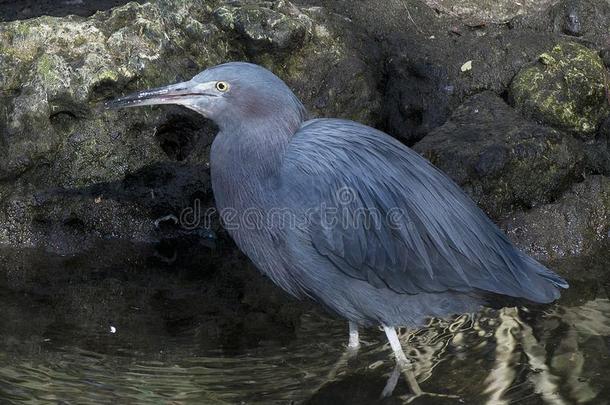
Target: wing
point(380, 212)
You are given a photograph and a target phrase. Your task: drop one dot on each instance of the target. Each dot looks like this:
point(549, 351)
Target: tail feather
point(546, 284)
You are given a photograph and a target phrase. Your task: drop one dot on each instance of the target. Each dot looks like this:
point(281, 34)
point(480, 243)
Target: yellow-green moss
point(566, 89)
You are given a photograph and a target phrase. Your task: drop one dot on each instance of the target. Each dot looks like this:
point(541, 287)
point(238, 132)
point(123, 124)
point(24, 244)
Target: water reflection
point(116, 325)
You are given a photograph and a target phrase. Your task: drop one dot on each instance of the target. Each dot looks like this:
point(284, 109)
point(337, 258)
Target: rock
point(73, 173)
point(502, 160)
point(425, 82)
point(573, 225)
point(566, 88)
point(597, 154)
point(605, 55)
point(278, 28)
point(62, 151)
point(581, 18)
point(584, 20)
point(424, 53)
point(573, 24)
point(597, 151)
point(490, 10)
point(20, 10)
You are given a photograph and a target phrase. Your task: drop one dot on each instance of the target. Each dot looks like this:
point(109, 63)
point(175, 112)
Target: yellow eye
point(222, 86)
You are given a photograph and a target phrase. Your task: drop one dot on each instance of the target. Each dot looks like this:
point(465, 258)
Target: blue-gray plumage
point(345, 214)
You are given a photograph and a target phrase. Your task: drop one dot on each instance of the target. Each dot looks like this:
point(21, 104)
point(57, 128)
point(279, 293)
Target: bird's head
point(230, 94)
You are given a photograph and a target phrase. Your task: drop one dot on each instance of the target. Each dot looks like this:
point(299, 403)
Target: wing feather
point(406, 226)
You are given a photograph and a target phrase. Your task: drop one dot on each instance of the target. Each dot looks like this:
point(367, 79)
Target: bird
point(346, 215)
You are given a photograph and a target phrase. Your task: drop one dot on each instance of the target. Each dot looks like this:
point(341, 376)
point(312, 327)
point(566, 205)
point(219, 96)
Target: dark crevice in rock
point(417, 97)
point(104, 90)
point(73, 222)
point(505, 95)
point(62, 120)
point(179, 135)
point(65, 107)
point(57, 115)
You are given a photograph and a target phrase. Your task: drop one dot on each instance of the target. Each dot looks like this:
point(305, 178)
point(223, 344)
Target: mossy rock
point(566, 88)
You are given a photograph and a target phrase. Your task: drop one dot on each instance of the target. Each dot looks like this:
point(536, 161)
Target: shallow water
point(122, 325)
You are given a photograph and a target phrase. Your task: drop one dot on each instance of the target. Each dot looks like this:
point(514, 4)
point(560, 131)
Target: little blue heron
point(344, 214)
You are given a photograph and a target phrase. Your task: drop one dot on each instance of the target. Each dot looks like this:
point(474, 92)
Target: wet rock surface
point(73, 173)
point(490, 10)
point(585, 20)
point(573, 225)
point(278, 28)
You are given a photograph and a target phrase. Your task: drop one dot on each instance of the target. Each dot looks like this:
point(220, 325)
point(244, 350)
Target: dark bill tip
point(162, 95)
point(120, 103)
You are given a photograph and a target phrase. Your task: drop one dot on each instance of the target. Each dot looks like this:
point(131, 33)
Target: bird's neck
point(246, 160)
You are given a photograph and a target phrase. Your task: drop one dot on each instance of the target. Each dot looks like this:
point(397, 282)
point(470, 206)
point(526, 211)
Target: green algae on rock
point(566, 88)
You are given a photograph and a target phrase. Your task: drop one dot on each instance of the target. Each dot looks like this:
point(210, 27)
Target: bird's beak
point(181, 93)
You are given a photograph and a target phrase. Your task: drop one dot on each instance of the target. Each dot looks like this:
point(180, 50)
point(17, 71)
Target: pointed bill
point(180, 93)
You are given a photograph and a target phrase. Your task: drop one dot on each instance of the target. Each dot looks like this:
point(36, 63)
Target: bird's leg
point(402, 361)
point(392, 381)
point(353, 345)
point(354, 339)
point(352, 349)
point(404, 364)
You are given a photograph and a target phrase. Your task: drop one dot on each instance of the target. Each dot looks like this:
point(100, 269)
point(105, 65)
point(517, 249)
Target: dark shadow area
point(211, 297)
point(21, 9)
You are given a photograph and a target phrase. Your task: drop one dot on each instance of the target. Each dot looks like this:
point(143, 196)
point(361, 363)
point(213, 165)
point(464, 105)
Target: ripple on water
point(557, 354)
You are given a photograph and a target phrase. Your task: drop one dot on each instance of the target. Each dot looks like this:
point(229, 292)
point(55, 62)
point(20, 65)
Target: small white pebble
point(466, 67)
point(112, 329)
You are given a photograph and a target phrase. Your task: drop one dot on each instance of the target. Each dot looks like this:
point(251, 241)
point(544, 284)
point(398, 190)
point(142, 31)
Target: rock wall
point(72, 171)
point(511, 103)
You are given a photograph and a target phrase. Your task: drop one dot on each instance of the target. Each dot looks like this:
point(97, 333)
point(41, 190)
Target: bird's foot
point(414, 387)
point(404, 364)
point(352, 349)
point(353, 343)
point(352, 346)
point(413, 397)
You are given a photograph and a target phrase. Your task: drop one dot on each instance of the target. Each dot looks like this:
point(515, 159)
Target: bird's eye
point(222, 86)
